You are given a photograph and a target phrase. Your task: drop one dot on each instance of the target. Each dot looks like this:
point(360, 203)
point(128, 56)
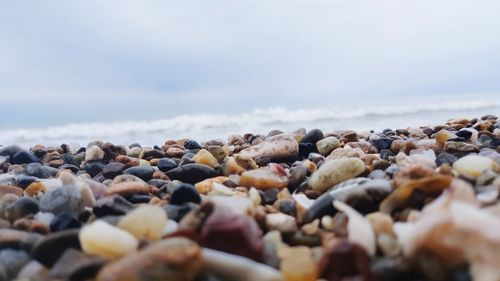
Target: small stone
point(21, 208)
point(473, 165)
point(344, 260)
point(143, 172)
point(454, 147)
point(297, 176)
point(49, 249)
point(64, 199)
point(297, 264)
point(335, 171)
point(219, 152)
point(236, 234)
point(113, 169)
point(40, 171)
point(362, 194)
point(75, 265)
point(234, 204)
point(114, 205)
point(166, 164)
point(192, 173)
point(443, 136)
point(9, 189)
point(278, 147)
point(191, 144)
point(381, 223)
point(174, 152)
point(9, 150)
point(272, 176)
point(104, 240)
point(206, 158)
point(128, 188)
point(64, 221)
point(94, 153)
point(327, 145)
point(281, 222)
point(174, 259)
point(312, 136)
point(11, 262)
point(24, 157)
point(185, 193)
point(145, 222)
point(445, 158)
point(231, 167)
point(382, 143)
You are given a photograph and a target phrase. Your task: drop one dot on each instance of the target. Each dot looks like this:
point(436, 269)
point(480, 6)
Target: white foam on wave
point(208, 126)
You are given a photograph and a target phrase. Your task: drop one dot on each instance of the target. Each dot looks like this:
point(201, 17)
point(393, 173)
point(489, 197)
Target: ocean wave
point(219, 125)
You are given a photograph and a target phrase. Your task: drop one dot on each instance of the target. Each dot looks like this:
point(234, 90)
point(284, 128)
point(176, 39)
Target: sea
point(375, 115)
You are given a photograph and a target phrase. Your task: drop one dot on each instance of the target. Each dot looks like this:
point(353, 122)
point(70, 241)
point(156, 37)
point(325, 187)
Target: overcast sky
point(77, 61)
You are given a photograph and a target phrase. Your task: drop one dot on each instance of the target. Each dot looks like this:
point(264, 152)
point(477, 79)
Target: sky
point(85, 61)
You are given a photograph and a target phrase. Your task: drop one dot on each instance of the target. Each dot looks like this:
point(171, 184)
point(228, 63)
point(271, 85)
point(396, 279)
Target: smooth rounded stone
point(17, 239)
point(75, 265)
point(174, 152)
point(382, 143)
point(270, 195)
point(9, 189)
point(219, 152)
point(465, 134)
point(192, 173)
point(312, 136)
point(445, 158)
point(11, 262)
point(176, 213)
point(297, 176)
point(23, 180)
point(40, 171)
point(3, 160)
point(206, 158)
point(49, 249)
point(128, 188)
point(305, 149)
point(114, 205)
point(191, 144)
point(345, 260)
point(174, 259)
point(9, 150)
point(234, 267)
point(166, 164)
point(113, 169)
point(454, 147)
point(64, 221)
point(21, 208)
point(93, 167)
point(297, 264)
point(71, 167)
point(145, 222)
point(335, 171)
point(363, 194)
point(185, 193)
point(271, 176)
point(327, 145)
point(236, 234)
point(23, 157)
point(143, 172)
point(94, 153)
point(64, 199)
point(278, 147)
point(281, 222)
point(102, 239)
point(473, 165)
point(235, 204)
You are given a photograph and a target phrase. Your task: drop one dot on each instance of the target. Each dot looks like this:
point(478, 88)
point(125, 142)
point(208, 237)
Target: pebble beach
point(410, 203)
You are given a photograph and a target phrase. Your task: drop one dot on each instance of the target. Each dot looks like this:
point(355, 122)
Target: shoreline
point(419, 202)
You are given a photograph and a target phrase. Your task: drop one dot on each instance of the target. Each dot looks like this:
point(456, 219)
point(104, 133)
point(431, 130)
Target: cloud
point(220, 54)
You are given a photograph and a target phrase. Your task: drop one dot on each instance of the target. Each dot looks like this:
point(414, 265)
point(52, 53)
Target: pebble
point(272, 176)
point(175, 259)
point(327, 145)
point(128, 188)
point(104, 240)
point(185, 193)
point(143, 172)
point(236, 234)
point(75, 265)
point(166, 164)
point(297, 264)
point(362, 194)
point(278, 147)
point(472, 165)
point(94, 153)
point(113, 169)
point(281, 222)
point(145, 222)
point(50, 248)
point(21, 208)
point(63, 221)
point(11, 262)
point(206, 158)
point(335, 171)
point(64, 199)
point(454, 147)
point(24, 157)
point(114, 205)
point(192, 173)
